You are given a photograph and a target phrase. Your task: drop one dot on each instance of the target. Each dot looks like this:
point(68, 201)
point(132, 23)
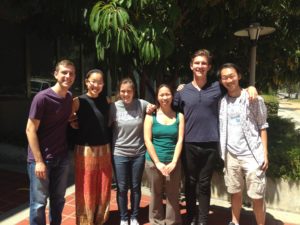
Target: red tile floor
point(14, 192)
point(217, 216)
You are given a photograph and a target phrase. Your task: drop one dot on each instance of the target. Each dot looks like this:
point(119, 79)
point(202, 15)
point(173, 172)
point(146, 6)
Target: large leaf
point(95, 16)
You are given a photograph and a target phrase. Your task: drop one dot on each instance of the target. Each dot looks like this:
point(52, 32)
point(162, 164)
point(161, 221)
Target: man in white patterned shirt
point(243, 141)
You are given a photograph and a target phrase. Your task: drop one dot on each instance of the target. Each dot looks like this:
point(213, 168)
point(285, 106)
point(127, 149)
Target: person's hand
point(161, 167)
point(180, 87)
point(40, 170)
point(73, 120)
point(150, 109)
point(74, 124)
point(252, 93)
point(265, 165)
point(170, 167)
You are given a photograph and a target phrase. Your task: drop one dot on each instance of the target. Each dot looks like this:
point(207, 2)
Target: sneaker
point(134, 222)
point(124, 222)
point(231, 223)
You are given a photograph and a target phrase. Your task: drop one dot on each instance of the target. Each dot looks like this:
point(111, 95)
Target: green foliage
point(167, 32)
point(140, 29)
point(272, 104)
point(284, 149)
point(113, 30)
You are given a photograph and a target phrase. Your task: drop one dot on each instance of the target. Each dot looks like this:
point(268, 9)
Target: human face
point(65, 76)
point(126, 93)
point(94, 84)
point(230, 79)
point(164, 97)
point(200, 67)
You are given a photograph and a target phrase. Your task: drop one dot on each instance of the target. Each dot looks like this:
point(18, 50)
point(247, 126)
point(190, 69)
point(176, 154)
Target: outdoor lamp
point(253, 32)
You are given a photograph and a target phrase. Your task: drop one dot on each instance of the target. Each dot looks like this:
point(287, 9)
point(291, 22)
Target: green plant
point(284, 149)
point(272, 104)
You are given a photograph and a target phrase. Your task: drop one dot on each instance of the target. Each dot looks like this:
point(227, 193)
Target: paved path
point(219, 213)
point(290, 109)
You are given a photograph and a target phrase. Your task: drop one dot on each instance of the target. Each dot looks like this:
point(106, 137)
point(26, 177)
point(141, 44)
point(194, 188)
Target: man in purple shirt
point(48, 165)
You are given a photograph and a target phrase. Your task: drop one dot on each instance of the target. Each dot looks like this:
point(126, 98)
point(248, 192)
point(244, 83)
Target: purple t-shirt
point(53, 112)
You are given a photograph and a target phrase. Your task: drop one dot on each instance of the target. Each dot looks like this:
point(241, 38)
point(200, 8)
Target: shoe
point(231, 223)
point(193, 223)
point(124, 222)
point(134, 222)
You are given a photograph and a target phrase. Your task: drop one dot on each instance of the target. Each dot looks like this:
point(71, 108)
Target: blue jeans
point(54, 187)
point(128, 174)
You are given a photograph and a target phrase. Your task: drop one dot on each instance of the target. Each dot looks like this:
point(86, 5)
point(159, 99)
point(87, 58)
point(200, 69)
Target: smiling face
point(164, 96)
point(200, 66)
point(94, 83)
point(65, 76)
point(230, 79)
point(126, 92)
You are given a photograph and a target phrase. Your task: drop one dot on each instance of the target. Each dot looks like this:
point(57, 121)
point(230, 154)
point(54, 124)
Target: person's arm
point(177, 104)
point(252, 91)
point(264, 139)
point(33, 141)
point(73, 117)
point(260, 115)
point(149, 145)
point(178, 148)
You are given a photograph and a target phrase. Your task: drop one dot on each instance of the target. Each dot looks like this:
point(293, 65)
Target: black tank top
point(92, 121)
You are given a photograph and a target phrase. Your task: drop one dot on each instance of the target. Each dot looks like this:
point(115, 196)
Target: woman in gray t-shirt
point(126, 120)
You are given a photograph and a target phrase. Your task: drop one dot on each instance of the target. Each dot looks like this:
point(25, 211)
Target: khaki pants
point(171, 187)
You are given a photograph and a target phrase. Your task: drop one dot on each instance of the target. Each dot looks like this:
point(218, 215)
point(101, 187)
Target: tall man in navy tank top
point(48, 165)
point(198, 100)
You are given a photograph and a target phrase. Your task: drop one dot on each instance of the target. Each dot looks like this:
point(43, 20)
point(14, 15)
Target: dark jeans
point(53, 187)
point(128, 174)
point(199, 160)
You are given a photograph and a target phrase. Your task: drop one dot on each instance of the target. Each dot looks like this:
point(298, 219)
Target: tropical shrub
point(284, 149)
point(272, 104)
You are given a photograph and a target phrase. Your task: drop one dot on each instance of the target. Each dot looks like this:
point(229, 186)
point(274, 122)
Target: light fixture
point(254, 31)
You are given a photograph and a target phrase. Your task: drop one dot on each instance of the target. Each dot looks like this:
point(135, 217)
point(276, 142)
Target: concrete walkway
point(219, 213)
point(290, 109)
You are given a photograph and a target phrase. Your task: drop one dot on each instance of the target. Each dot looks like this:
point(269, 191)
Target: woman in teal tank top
point(163, 136)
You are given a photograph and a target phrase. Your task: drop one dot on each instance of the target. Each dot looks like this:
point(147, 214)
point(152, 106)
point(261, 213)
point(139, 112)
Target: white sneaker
point(134, 222)
point(124, 222)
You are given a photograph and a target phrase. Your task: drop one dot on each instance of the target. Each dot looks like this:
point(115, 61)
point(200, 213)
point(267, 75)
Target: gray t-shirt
point(236, 143)
point(127, 122)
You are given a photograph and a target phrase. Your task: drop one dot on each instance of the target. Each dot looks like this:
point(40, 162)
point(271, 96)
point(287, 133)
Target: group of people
point(181, 131)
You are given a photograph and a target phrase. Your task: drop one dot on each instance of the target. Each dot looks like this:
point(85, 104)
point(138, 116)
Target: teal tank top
point(164, 139)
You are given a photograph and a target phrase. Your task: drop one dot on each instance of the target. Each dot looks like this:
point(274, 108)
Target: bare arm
point(264, 138)
point(149, 145)
point(31, 132)
point(73, 117)
point(178, 147)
